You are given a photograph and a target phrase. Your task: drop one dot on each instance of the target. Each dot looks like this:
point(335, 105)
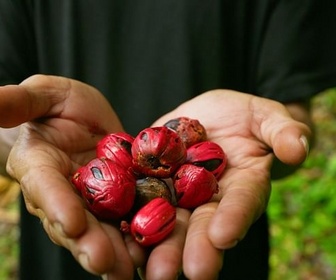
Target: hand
point(250, 130)
point(65, 119)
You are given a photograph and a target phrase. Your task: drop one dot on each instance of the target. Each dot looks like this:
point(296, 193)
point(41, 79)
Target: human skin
point(250, 129)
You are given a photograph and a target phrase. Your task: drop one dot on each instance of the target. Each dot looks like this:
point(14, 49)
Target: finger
point(123, 264)
point(136, 252)
point(165, 260)
point(43, 180)
point(54, 197)
point(50, 196)
point(244, 198)
point(289, 139)
point(46, 96)
point(69, 225)
point(291, 145)
point(93, 249)
point(20, 103)
point(201, 260)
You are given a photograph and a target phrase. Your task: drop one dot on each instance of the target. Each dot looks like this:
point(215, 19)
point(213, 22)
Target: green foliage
point(302, 207)
point(9, 248)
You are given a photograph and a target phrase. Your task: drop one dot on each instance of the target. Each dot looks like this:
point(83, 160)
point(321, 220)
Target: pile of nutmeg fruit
point(139, 181)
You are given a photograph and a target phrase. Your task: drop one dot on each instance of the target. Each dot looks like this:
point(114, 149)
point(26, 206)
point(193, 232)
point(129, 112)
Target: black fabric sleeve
point(17, 48)
point(297, 56)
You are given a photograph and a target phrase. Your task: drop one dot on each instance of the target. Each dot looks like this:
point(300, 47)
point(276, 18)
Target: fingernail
point(305, 144)
point(141, 273)
point(83, 259)
point(104, 277)
point(58, 228)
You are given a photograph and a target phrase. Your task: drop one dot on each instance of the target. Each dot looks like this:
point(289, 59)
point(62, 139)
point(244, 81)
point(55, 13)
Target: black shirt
point(148, 56)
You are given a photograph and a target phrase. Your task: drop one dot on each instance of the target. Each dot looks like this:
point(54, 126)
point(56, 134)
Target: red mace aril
point(194, 186)
point(158, 152)
point(108, 189)
point(209, 155)
point(153, 222)
point(116, 147)
point(190, 130)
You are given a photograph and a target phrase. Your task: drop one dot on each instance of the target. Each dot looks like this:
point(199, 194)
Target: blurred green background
point(302, 207)
point(302, 211)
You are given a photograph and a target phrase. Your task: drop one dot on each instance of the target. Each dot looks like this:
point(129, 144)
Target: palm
point(249, 129)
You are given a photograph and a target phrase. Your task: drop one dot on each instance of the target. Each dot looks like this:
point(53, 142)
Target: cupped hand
point(251, 130)
point(62, 120)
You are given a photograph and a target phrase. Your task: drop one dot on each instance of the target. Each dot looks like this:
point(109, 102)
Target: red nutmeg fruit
point(153, 222)
point(116, 147)
point(194, 186)
point(158, 152)
point(107, 188)
point(209, 155)
point(190, 130)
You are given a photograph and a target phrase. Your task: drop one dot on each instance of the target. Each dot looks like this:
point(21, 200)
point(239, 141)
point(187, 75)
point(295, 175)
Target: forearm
point(7, 139)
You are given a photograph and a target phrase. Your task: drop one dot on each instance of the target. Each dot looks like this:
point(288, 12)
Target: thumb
point(29, 100)
point(288, 138)
point(54, 96)
point(291, 145)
